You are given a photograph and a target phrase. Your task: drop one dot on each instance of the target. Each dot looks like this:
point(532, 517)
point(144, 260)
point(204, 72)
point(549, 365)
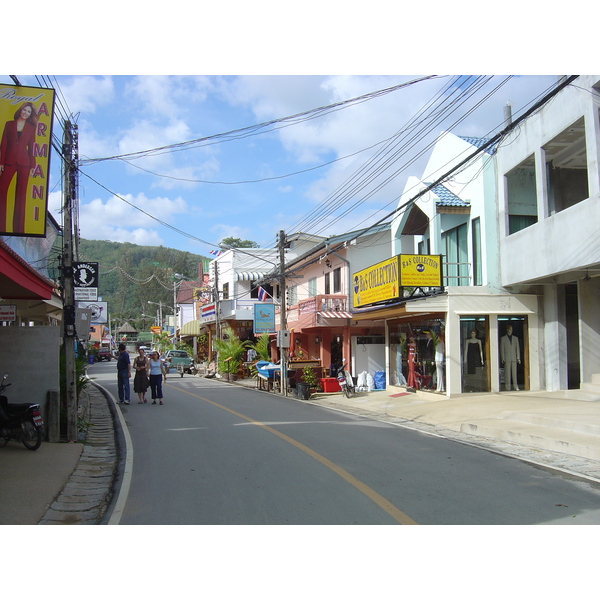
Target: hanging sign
point(85, 281)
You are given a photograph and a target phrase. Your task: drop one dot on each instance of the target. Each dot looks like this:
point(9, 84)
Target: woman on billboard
point(16, 157)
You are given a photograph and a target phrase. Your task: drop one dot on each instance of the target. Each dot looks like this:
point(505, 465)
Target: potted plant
point(308, 384)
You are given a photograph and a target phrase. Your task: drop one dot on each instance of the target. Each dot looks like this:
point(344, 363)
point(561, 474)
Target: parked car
point(180, 360)
point(104, 353)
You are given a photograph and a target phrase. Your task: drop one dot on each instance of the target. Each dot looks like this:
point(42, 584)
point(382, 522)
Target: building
point(549, 210)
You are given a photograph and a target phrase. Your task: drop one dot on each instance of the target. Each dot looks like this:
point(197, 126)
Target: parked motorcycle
point(20, 422)
point(345, 380)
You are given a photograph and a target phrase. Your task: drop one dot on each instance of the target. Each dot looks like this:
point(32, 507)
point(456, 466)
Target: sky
point(253, 183)
point(315, 175)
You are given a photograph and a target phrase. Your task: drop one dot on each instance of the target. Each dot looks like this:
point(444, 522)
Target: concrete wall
point(30, 356)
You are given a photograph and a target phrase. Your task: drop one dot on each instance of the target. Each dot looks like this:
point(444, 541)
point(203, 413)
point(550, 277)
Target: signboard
point(208, 314)
point(421, 270)
point(85, 281)
point(8, 312)
point(26, 121)
point(376, 283)
point(99, 310)
point(155, 329)
point(264, 318)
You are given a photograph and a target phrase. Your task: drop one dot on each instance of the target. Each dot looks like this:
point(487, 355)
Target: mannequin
point(440, 355)
point(412, 380)
point(510, 354)
point(473, 353)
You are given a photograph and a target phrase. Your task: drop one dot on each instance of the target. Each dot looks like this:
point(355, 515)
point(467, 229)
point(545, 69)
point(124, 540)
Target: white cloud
point(118, 220)
point(86, 93)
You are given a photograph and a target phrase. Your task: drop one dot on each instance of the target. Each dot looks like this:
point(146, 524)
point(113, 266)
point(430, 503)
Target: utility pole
point(282, 313)
point(69, 333)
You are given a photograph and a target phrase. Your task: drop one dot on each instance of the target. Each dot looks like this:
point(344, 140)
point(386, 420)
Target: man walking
point(510, 354)
point(123, 374)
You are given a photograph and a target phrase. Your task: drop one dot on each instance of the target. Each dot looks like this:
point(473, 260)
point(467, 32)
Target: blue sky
point(252, 187)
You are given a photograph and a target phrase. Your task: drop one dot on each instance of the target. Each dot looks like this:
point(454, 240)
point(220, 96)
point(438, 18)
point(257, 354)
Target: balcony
point(318, 311)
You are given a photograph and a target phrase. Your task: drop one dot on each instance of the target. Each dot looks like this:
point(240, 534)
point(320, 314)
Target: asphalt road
point(219, 454)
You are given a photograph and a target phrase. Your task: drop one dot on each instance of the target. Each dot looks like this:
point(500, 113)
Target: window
point(226, 291)
point(337, 280)
point(454, 242)
point(254, 289)
point(476, 235)
point(327, 284)
point(521, 200)
point(312, 287)
point(566, 168)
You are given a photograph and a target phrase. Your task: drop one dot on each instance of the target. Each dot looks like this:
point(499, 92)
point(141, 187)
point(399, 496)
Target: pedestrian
point(157, 373)
point(140, 381)
point(123, 374)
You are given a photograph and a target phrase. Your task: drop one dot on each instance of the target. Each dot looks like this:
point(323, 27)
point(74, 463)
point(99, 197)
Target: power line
point(260, 128)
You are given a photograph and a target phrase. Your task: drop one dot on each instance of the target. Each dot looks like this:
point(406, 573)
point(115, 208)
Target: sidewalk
point(61, 484)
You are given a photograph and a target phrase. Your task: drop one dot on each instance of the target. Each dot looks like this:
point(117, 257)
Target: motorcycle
point(20, 422)
point(345, 380)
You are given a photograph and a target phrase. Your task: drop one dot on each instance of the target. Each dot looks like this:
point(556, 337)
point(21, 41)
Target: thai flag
point(216, 252)
point(262, 294)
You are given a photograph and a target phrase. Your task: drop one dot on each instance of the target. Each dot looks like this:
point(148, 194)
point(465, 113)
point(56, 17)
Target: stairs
point(541, 433)
point(547, 429)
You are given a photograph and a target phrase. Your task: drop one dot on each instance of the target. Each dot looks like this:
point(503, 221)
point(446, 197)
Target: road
point(217, 453)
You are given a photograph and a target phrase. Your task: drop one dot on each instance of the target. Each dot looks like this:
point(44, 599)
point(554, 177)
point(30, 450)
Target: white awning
point(336, 314)
point(191, 328)
point(250, 275)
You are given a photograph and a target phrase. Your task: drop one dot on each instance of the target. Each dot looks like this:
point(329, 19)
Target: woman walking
point(140, 381)
point(157, 372)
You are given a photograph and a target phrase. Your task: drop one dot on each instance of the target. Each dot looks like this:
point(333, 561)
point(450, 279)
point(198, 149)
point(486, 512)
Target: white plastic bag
point(370, 382)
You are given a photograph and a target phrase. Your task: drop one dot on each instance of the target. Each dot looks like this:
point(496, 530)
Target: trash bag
point(379, 380)
point(370, 382)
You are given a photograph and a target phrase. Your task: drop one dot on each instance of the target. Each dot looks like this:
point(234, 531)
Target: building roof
point(478, 143)
point(446, 197)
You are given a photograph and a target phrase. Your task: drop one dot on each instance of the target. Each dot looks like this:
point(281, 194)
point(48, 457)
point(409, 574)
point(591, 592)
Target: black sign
point(85, 275)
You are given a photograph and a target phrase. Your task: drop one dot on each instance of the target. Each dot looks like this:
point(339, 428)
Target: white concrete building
point(549, 211)
point(517, 231)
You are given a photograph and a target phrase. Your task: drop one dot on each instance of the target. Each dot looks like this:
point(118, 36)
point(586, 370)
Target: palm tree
point(230, 351)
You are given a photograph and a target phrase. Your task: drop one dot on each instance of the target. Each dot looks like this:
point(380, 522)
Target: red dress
point(411, 380)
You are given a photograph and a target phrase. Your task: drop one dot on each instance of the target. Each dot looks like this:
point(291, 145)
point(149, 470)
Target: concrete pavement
point(80, 483)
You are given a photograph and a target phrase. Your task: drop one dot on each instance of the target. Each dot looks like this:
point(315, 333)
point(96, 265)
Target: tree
point(238, 243)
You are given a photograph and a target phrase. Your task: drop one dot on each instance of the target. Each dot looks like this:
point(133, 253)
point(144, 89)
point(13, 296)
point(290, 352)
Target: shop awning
point(19, 281)
point(191, 328)
point(336, 314)
point(250, 275)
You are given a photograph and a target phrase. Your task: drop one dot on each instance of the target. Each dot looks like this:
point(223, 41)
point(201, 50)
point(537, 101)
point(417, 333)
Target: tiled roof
point(479, 142)
point(446, 197)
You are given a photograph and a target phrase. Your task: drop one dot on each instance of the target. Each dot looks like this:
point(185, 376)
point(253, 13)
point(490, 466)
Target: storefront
point(460, 339)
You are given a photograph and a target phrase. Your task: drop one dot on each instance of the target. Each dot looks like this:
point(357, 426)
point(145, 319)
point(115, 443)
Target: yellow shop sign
point(421, 270)
point(376, 283)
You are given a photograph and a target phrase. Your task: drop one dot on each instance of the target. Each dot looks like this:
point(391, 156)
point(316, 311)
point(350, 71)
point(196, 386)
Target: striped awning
point(191, 328)
point(250, 275)
point(336, 314)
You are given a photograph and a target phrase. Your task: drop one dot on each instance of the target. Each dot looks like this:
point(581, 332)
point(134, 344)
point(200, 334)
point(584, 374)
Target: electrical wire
point(260, 128)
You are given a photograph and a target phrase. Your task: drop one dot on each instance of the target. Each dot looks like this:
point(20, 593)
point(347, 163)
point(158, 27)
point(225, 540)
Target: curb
point(90, 489)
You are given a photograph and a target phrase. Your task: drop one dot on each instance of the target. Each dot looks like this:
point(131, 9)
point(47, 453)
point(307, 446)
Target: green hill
point(131, 275)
